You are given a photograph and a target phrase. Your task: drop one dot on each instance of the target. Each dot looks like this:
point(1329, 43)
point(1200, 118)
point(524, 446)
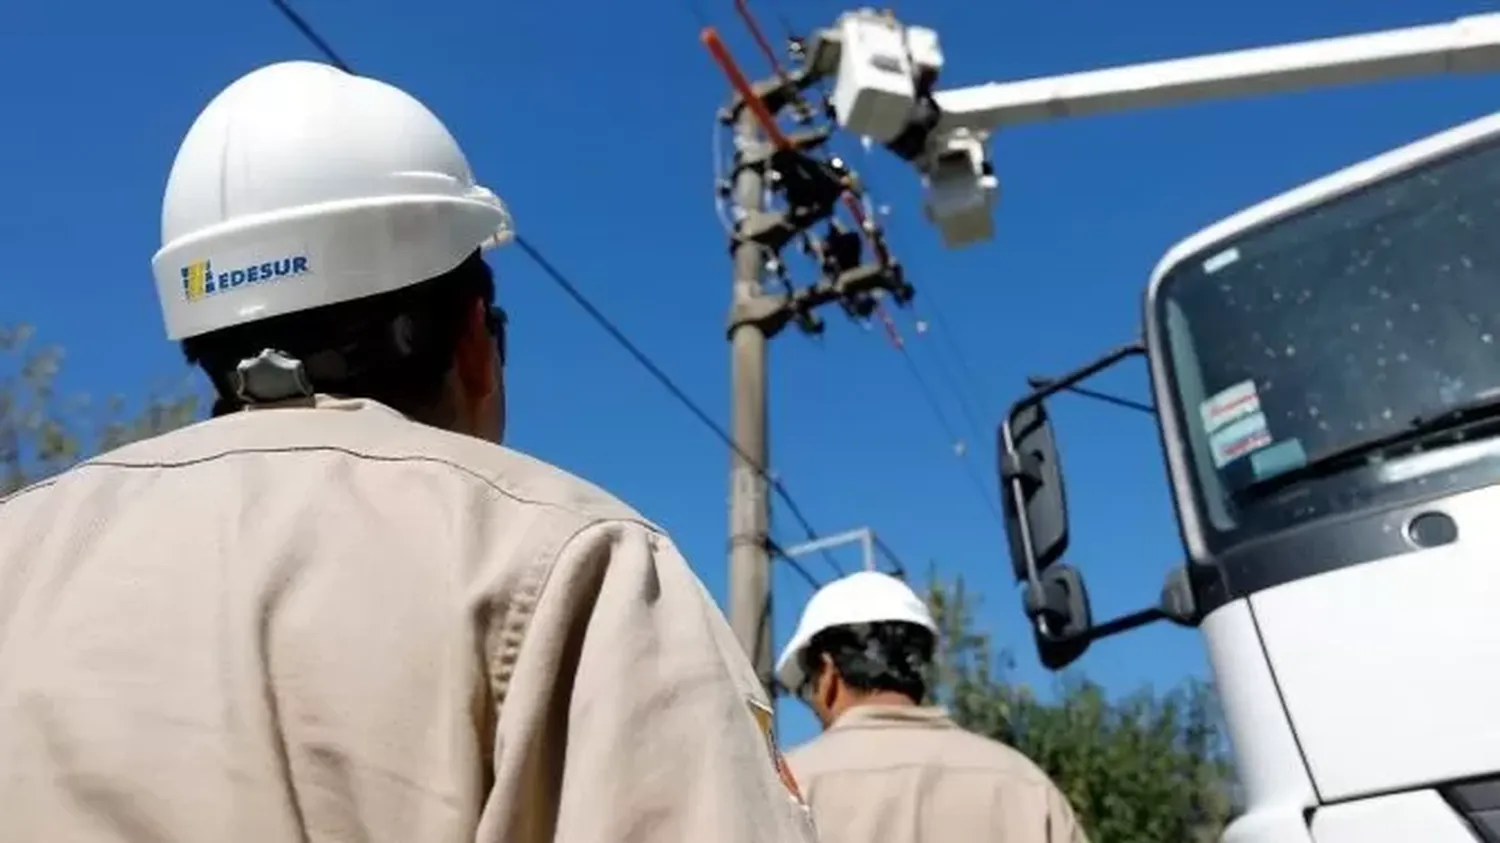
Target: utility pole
point(749, 505)
point(808, 189)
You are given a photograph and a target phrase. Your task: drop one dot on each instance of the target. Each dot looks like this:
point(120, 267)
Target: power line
point(949, 341)
point(811, 581)
point(890, 555)
point(311, 35)
point(942, 418)
point(965, 409)
point(695, 8)
point(930, 396)
point(614, 332)
point(671, 386)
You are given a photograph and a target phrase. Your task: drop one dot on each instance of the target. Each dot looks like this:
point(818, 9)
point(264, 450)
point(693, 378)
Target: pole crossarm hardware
point(871, 547)
point(811, 188)
point(854, 289)
point(864, 535)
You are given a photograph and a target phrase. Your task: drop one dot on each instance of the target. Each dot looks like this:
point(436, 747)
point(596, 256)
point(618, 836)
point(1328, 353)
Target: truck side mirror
point(1031, 490)
point(1061, 621)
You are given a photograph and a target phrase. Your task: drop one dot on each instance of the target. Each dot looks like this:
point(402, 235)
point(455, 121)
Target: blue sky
point(593, 121)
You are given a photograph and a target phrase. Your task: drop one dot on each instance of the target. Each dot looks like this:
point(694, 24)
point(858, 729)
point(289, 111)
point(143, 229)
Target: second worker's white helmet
point(860, 598)
point(300, 186)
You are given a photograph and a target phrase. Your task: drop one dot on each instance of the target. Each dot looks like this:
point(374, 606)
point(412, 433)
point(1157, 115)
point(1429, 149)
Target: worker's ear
point(827, 687)
point(475, 361)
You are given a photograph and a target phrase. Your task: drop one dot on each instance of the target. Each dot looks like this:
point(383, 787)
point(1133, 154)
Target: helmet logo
point(196, 277)
point(199, 280)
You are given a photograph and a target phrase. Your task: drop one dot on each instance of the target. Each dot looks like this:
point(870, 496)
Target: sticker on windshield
point(1229, 406)
point(1221, 260)
point(1278, 459)
point(1239, 438)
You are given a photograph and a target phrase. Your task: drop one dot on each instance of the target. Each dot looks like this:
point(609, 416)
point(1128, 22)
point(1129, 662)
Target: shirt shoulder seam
point(106, 462)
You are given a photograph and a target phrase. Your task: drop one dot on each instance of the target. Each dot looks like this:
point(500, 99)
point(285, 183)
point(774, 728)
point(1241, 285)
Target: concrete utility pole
point(749, 505)
point(809, 189)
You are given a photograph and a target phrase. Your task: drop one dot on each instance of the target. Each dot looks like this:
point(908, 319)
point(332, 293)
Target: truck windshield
point(1339, 326)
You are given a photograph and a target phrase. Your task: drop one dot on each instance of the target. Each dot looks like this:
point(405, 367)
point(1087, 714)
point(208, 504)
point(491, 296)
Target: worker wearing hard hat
point(338, 610)
point(887, 768)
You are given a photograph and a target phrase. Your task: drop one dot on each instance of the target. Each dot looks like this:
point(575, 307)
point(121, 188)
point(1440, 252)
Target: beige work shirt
point(335, 624)
point(892, 774)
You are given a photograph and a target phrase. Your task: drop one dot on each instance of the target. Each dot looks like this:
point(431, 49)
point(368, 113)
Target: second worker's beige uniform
point(902, 774)
point(308, 625)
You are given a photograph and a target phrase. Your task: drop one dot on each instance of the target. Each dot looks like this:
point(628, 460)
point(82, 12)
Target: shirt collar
point(323, 401)
point(894, 716)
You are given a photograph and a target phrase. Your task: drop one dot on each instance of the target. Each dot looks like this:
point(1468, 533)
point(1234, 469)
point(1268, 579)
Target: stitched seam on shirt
point(503, 643)
point(946, 766)
point(511, 636)
point(936, 725)
point(359, 455)
point(24, 490)
point(998, 777)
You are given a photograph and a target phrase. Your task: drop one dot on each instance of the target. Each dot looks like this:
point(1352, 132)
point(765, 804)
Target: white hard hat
point(301, 185)
point(863, 597)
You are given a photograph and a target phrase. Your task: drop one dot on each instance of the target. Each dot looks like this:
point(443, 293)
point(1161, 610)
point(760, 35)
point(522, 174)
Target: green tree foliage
point(1147, 767)
point(43, 431)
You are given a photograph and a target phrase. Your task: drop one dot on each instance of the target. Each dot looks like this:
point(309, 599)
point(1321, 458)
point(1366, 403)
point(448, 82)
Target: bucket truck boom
point(885, 75)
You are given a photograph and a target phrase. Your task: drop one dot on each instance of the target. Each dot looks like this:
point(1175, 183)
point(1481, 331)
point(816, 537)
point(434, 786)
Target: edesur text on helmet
point(199, 280)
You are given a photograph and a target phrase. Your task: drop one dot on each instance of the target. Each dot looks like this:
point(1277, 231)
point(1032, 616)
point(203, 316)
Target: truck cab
point(1325, 370)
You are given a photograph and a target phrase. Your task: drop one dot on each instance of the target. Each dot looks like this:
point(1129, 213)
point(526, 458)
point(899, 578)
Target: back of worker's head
point(863, 638)
point(322, 232)
point(861, 662)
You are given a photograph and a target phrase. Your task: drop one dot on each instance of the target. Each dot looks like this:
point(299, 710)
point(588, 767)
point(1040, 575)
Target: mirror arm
point(1126, 623)
point(1110, 628)
point(1037, 382)
point(1014, 469)
point(1073, 378)
point(1021, 468)
point(1050, 610)
point(1054, 598)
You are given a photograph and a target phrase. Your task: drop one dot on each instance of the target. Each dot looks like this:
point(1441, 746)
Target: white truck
point(1326, 375)
point(1326, 371)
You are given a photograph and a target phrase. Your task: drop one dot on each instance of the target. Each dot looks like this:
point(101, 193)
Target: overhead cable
point(573, 292)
